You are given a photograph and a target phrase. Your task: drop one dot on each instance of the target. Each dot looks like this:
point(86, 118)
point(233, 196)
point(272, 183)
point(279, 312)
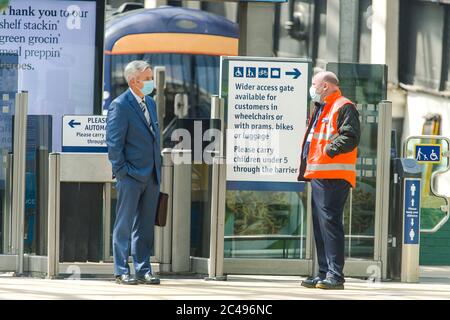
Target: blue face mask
point(148, 87)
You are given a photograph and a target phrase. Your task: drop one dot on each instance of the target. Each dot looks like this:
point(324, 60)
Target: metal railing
point(434, 175)
point(18, 186)
point(72, 167)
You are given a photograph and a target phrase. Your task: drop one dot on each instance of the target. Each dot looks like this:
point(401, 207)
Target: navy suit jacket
point(133, 147)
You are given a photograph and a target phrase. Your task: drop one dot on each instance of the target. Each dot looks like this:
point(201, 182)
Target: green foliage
point(4, 4)
point(258, 212)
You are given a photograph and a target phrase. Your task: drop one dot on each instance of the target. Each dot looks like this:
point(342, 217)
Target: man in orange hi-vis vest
point(328, 160)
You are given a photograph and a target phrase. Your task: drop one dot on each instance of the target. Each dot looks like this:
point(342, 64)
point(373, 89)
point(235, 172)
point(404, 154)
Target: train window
point(295, 29)
point(446, 70)
point(365, 30)
point(194, 75)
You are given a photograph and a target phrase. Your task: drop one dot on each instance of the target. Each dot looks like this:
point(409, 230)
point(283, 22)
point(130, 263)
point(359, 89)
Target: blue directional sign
point(428, 153)
point(411, 211)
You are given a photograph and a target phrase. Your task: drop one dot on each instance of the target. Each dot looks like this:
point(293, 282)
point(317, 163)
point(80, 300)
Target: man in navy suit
point(132, 136)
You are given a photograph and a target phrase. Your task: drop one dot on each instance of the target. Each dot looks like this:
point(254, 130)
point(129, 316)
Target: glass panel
point(81, 226)
point(201, 179)
point(39, 145)
point(201, 210)
point(265, 225)
point(8, 89)
point(365, 85)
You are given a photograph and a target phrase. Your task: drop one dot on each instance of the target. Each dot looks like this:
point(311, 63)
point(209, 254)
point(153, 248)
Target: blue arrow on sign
point(296, 73)
point(72, 123)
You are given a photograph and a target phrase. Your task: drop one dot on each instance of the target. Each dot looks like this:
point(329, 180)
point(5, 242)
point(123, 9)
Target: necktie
point(146, 114)
point(145, 111)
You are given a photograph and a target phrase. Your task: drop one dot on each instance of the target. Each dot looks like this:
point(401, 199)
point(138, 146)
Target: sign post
point(411, 230)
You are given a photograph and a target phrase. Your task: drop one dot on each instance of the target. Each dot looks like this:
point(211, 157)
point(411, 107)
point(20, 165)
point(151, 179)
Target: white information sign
point(266, 118)
point(84, 134)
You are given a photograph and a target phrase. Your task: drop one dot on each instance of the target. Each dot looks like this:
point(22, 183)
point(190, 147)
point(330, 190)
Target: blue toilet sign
point(411, 211)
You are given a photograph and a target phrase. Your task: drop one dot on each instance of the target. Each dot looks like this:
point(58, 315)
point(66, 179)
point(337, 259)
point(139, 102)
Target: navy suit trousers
point(134, 225)
point(328, 200)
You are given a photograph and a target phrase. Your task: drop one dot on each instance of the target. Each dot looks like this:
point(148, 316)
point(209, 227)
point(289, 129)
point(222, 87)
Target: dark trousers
point(134, 225)
point(328, 200)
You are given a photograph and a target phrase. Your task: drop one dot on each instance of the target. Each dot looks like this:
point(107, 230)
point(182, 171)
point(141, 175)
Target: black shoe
point(148, 279)
point(125, 279)
point(330, 284)
point(311, 282)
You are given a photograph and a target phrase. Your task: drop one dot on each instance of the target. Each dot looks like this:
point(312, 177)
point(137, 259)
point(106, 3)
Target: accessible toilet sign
point(266, 101)
point(84, 134)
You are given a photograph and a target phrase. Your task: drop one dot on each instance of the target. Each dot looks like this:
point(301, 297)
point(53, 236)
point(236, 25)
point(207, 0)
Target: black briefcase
point(161, 210)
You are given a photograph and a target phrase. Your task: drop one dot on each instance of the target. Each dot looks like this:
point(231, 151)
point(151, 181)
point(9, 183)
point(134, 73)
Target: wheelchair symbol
point(239, 72)
point(433, 156)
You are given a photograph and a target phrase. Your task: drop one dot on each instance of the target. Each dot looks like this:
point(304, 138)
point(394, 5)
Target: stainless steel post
point(43, 200)
point(221, 202)
point(218, 198)
point(18, 204)
point(181, 214)
point(53, 202)
point(212, 266)
point(382, 194)
point(107, 221)
point(410, 251)
point(7, 212)
point(163, 235)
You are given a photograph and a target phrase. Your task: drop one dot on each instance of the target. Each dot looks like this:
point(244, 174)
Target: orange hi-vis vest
point(319, 165)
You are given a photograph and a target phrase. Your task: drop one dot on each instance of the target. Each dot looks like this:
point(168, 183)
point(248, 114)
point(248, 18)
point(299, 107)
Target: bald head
point(327, 76)
point(324, 83)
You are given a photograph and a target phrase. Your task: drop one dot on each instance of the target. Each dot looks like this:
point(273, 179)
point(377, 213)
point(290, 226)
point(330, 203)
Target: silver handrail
point(18, 199)
point(433, 176)
point(218, 186)
point(7, 209)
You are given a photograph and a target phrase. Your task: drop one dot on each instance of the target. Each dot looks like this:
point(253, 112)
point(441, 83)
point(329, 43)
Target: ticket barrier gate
point(171, 248)
point(404, 221)
point(76, 168)
point(417, 186)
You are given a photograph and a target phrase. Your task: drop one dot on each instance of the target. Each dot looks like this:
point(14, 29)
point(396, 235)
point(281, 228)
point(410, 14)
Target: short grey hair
point(134, 68)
